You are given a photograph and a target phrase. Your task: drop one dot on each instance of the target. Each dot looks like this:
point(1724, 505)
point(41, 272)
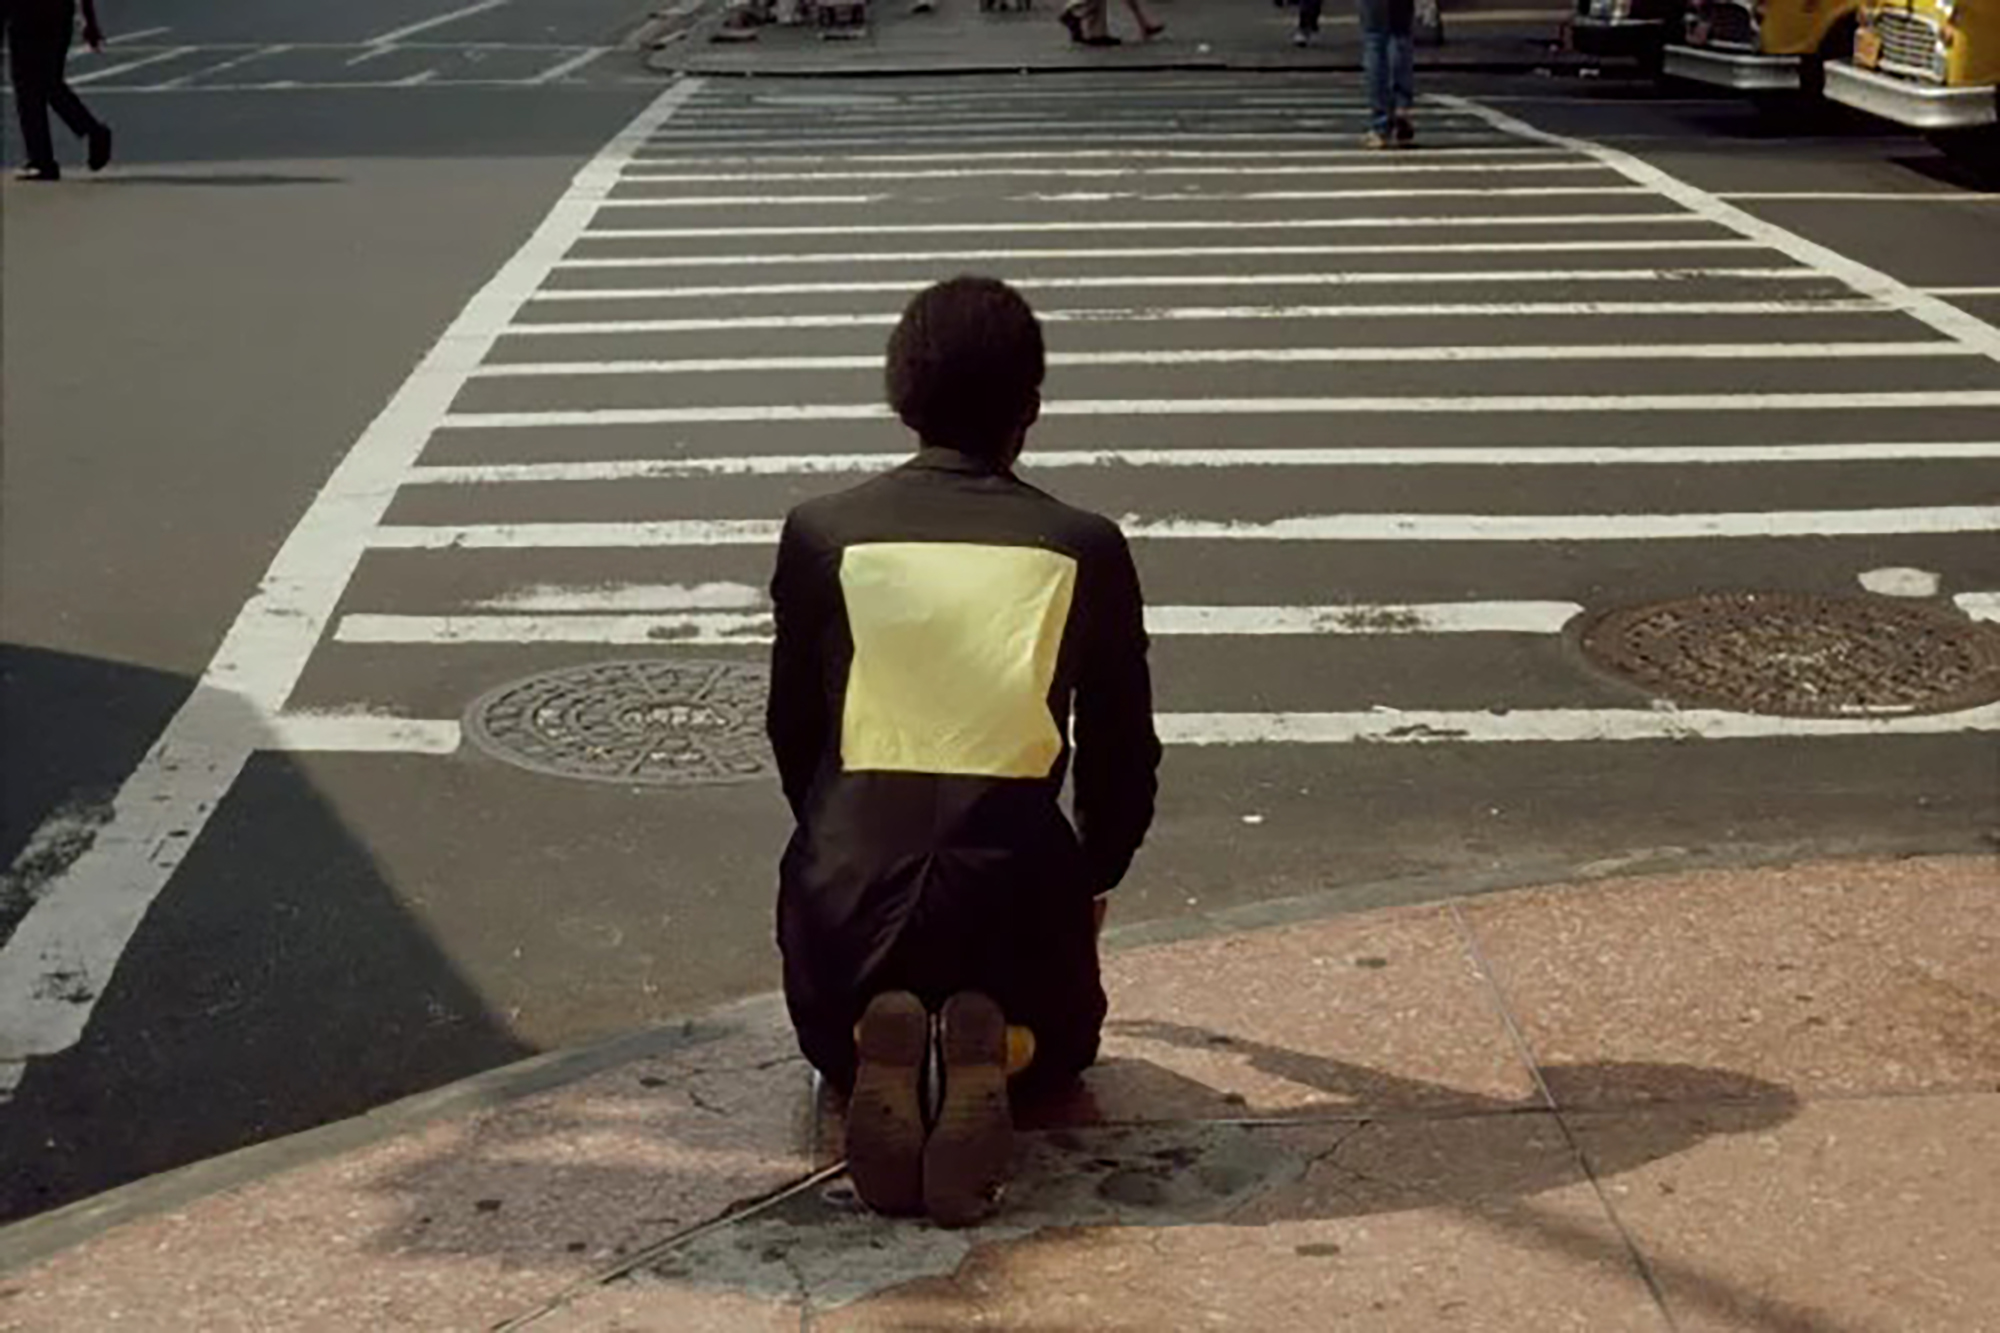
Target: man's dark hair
point(965, 364)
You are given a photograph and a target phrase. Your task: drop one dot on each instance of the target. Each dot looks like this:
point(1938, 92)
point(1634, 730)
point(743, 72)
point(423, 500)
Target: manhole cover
point(1800, 655)
point(657, 722)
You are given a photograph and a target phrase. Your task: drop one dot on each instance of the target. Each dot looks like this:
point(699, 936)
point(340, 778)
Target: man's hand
point(93, 37)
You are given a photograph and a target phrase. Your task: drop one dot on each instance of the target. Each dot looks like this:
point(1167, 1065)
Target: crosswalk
point(159, 65)
point(1271, 350)
point(1381, 427)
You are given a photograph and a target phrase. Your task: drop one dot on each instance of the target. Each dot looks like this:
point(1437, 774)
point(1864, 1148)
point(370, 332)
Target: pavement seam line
point(62, 955)
point(1939, 314)
point(1497, 995)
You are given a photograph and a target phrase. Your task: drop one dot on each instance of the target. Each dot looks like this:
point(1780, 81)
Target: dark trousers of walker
point(38, 39)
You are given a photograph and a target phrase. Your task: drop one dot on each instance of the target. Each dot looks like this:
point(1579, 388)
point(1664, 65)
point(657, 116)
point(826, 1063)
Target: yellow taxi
point(1762, 46)
point(1930, 64)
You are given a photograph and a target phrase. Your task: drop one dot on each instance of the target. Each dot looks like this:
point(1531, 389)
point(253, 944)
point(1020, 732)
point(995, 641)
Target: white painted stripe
point(694, 533)
point(127, 38)
point(80, 926)
point(417, 80)
point(1378, 727)
point(395, 35)
point(1862, 196)
point(359, 733)
point(1204, 407)
point(1037, 134)
point(1123, 225)
point(1271, 356)
point(77, 81)
point(724, 627)
point(1941, 315)
point(1131, 197)
point(626, 598)
point(1377, 167)
point(1609, 246)
point(562, 69)
point(1338, 278)
point(1963, 291)
point(1563, 725)
point(1500, 150)
point(1142, 315)
point(1979, 605)
point(1628, 455)
point(260, 54)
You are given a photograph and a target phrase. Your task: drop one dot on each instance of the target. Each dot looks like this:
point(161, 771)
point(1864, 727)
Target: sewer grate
point(1799, 654)
point(657, 722)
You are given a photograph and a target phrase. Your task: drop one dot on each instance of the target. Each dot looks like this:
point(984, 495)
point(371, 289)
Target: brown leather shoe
point(885, 1116)
point(972, 1143)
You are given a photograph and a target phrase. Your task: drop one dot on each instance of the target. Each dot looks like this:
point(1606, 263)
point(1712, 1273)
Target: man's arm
point(93, 33)
point(795, 713)
point(1117, 751)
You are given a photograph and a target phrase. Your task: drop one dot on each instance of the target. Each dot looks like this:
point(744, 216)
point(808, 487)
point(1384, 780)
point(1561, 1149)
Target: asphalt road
point(318, 898)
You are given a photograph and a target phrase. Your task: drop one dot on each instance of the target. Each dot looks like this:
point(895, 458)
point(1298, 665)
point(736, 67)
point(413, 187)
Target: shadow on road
point(279, 981)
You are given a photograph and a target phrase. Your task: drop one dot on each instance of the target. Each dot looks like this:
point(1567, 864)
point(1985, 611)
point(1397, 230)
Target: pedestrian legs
point(1309, 12)
point(38, 49)
point(1378, 73)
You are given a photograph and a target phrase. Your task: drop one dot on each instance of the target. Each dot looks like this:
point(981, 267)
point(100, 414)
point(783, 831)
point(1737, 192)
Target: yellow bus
point(1930, 64)
point(1762, 46)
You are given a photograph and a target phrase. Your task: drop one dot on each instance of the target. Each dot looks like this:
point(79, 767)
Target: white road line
point(1386, 726)
point(562, 69)
point(723, 627)
point(1861, 196)
point(1159, 252)
point(1132, 197)
point(1963, 291)
point(127, 38)
point(1205, 407)
point(1037, 134)
point(1979, 605)
point(1366, 527)
point(93, 76)
point(786, 465)
point(625, 598)
point(359, 733)
point(1941, 315)
point(417, 80)
point(1567, 725)
point(395, 35)
point(1395, 167)
point(1123, 225)
point(1078, 155)
point(1339, 278)
point(235, 62)
point(1510, 309)
point(370, 53)
point(1269, 356)
point(79, 927)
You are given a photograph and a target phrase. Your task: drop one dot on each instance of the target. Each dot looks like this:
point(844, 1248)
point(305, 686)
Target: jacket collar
point(930, 458)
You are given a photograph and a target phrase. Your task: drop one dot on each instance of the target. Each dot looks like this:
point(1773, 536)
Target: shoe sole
point(885, 1117)
point(972, 1143)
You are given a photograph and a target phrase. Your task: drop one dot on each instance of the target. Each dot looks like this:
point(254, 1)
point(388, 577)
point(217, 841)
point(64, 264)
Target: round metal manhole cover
point(659, 722)
point(1800, 655)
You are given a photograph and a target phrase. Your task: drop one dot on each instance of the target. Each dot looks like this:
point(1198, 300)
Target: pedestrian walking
point(1089, 22)
point(1308, 30)
point(937, 630)
point(39, 33)
point(1388, 64)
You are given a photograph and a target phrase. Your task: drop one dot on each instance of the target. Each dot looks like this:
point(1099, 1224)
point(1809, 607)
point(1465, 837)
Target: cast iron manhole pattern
point(659, 722)
point(1800, 655)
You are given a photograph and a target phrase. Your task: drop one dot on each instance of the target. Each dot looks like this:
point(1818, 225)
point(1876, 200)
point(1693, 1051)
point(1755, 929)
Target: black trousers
point(39, 33)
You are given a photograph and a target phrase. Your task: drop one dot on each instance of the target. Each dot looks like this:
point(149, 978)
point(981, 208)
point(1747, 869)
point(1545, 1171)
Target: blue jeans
point(1388, 64)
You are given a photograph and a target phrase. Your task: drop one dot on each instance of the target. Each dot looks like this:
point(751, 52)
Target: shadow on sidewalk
point(1478, 1162)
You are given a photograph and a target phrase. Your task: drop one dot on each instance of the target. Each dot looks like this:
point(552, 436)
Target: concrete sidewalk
point(957, 38)
point(1744, 1100)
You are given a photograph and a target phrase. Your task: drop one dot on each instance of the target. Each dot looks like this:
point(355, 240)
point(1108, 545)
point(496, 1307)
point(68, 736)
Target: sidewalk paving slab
point(1596, 1106)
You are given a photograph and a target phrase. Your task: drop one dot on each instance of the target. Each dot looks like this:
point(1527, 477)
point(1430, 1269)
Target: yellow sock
point(1020, 1049)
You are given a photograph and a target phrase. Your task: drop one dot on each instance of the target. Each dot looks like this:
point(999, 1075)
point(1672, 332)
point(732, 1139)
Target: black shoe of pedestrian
point(885, 1114)
point(972, 1142)
point(36, 172)
point(1074, 22)
point(1104, 39)
point(100, 146)
point(1403, 131)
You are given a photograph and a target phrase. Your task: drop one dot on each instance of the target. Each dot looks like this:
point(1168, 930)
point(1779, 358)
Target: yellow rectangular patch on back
point(955, 650)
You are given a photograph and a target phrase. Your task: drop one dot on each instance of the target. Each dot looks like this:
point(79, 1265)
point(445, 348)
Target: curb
point(28, 1242)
